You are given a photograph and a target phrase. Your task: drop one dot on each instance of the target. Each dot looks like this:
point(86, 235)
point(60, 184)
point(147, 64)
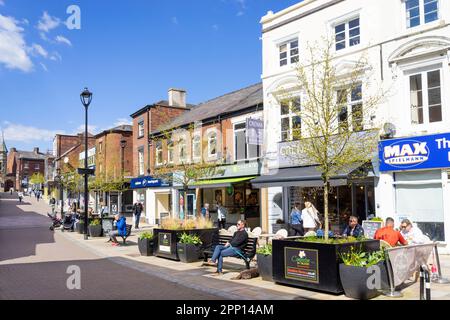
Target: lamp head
point(86, 97)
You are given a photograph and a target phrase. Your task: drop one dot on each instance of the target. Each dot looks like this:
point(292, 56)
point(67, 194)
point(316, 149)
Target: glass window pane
point(357, 93)
point(416, 99)
point(294, 52)
point(239, 126)
point(283, 62)
point(353, 23)
point(354, 41)
point(285, 124)
point(294, 44)
point(340, 37)
point(434, 79)
point(294, 59)
point(431, 17)
point(283, 55)
point(240, 145)
point(414, 13)
point(354, 32)
point(435, 113)
point(434, 96)
point(339, 28)
point(412, 3)
point(296, 106)
point(413, 22)
point(357, 117)
point(252, 151)
point(284, 108)
point(340, 46)
point(283, 48)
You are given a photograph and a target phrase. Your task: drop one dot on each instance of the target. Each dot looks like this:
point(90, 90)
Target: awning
point(299, 177)
point(219, 183)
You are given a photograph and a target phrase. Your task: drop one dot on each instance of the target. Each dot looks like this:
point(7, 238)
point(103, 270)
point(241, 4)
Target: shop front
point(233, 190)
point(414, 182)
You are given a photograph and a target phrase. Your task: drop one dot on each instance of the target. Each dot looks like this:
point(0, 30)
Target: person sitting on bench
point(231, 249)
point(121, 229)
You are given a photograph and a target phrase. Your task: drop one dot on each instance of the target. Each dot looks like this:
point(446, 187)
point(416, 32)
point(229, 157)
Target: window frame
point(347, 29)
point(210, 135)
point(349, 106)
point(422, 14)
point(247, 150)
point(141, 165)
point(159, 155)
point(289, 56)
point(141, 125)
point(290, 115)
point(196, 139)
point(170, 150)
point(182, 144)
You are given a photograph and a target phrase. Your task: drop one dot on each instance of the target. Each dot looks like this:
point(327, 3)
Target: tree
point(335, 111)
point(37, 178)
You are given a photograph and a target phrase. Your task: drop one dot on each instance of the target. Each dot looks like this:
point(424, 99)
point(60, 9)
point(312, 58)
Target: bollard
point(439, 278)
point(427, 283)
point(422, 284)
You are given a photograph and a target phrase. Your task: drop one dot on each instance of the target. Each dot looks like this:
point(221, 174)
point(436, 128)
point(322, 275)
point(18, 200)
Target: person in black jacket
point(230, 249)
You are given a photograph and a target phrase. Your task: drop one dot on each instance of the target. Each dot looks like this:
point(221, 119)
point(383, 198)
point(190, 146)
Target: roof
point(227, 103)
point(31, 155)
point(162, 103)
point(121, 128)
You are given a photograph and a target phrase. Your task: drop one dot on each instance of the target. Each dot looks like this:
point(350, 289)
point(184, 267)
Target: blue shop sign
point(147, 182)
point(413, 153)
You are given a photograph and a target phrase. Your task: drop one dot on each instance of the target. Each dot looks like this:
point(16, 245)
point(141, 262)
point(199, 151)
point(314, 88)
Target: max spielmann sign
point(301, 264)
point(164, 242)
point(425, 152)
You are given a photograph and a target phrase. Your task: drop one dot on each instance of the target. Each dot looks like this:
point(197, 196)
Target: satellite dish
point(389, 129)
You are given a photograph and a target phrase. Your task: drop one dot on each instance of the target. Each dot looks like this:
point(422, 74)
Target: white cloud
point(44, 67)
point(38, 49)
point(22, 133)
point(2, 3)
point(91, 129)
point(55, 56)
point(13, 48)
point(122, 121)
point(62, 39)
point(174, 20)
point(47, 22)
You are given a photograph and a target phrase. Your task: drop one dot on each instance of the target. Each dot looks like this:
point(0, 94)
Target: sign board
point(147, 182)
point(370, 227)
point(301, 264)
point(164, 242)
point(412, 153)
point(254, 131)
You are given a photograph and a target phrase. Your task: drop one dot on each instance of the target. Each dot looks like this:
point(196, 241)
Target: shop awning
point(299, 177)
point(219, 183)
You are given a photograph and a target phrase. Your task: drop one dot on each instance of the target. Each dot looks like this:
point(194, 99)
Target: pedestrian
point(310, 218)
point(20, 194)
point(296, 222)
point(353, 229)
point(205, 211)
point(137, 210)
point(53, 204)
point(221, 216)
point(38, 195)
point(121, 224)
point(388, 234)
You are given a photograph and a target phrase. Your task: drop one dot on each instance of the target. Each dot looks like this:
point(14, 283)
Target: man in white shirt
point(412, 234)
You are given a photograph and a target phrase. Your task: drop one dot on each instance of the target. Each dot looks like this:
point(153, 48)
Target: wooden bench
point(124, 238)
point(247, 255)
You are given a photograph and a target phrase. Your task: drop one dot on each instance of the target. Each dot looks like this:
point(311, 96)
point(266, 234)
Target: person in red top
point(388, 234)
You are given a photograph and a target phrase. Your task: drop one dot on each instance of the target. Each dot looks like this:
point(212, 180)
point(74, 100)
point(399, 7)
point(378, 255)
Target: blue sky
point(127, 52)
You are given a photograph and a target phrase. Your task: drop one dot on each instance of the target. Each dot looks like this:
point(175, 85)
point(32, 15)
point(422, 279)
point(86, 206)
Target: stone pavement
point(194, 276)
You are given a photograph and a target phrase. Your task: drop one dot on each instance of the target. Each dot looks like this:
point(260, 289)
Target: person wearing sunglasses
point(411, 233)
point(353, 229)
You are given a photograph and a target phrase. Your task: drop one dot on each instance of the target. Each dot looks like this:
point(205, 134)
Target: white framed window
point(170, 151)
point(420, 12)
point(159, 153)
point(141, 161)
point(350, 113)
point(100, 147)
point(26, 165)
point(196, 147)
point(141, 129)
point(212, 144)
point(289, 52)
point(182, 152)
point(291, 123)
point(37, 166)
point(243, 150)
point(425, 97)
point(347, 34)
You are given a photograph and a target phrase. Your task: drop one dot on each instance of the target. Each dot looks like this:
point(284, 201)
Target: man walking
point(137, 210)
point(221, 216)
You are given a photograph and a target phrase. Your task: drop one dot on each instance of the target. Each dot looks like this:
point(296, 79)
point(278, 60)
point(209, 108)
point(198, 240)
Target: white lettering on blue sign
point(410, 152)
point(443, 143)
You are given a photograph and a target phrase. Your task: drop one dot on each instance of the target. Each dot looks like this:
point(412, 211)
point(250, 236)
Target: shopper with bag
point(310, 218)
point(296, 222)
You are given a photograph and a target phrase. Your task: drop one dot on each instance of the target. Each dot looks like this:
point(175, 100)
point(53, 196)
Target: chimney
point(177, 97)
point(12, 150)
point(36, 150)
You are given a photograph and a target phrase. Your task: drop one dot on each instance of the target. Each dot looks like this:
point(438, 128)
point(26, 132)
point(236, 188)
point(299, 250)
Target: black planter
point(95, 231)
point(278, 226)
point(265, 268)
point(80, 228)
point(146, 247)
point(166, 241)
point(355, 281)
point(188, 252)
point(313, 265)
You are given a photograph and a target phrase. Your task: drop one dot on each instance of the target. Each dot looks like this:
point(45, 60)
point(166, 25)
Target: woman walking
point(310, 218)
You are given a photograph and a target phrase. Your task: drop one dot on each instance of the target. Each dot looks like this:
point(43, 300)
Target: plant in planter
point(95, 228)
point(146, 243)
point(376, 219)
point(280, 224)
point(264, 258)
point(358, 281)
point(80, 227)
point(187, 247)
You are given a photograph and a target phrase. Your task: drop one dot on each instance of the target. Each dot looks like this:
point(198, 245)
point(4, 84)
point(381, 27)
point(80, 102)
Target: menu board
point(165, 241)
point(301, 264)
point(370, 227)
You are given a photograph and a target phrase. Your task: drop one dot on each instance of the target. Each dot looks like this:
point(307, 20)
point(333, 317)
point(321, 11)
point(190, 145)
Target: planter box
point(188, 252)
point(146, 247)
point(80, 228)
point(166, 241)
point(312, 265)
point(265, 267)
point(355, 281)
point(95, 231)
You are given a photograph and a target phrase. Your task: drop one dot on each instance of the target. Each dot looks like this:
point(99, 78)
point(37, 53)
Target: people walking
point(53, 204)
point(20, 194)
point(221, 216)
point(296, 222)
point(310, 218)
point(137, 210)
point(205, 211)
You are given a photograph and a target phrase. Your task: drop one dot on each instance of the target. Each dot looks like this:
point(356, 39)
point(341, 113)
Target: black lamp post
point(86, 98)
point(123, 144)
point(61, 194)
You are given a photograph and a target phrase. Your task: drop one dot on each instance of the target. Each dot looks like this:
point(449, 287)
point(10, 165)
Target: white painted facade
point(395, 52)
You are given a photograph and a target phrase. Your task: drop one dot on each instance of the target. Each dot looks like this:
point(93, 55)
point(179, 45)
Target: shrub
point(265, 250)
point(190, 224)
point(361, 258)
point(190, 239)
point(171, 224)
point(95, 222)
point(146, 235)
point(202, 223)
point(376, 219)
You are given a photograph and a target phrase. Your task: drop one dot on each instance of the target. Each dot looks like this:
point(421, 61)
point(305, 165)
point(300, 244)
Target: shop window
point(425, 97)
point(411, 188)
point(290, 119)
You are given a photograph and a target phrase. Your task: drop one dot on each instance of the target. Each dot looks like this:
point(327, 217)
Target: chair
point(232, 229)
point(282, 233)
point(310, 234)
point(384, 245)
point(257, 231)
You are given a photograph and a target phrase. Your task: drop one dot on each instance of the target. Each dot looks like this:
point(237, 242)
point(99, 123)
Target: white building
point(407, 43)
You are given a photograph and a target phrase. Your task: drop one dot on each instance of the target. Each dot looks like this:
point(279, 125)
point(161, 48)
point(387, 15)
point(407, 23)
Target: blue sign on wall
point(147, 182)
point(412, 153)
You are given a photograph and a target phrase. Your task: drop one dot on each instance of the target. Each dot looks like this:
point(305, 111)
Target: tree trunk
point(325, 206)
point(185, 205)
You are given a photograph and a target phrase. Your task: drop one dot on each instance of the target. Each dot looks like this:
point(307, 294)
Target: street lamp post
point(61, 193)
point(123, 144)
point(86, 98)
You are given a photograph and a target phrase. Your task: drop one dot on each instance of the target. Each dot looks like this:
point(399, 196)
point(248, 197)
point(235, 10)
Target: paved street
point(34, 261)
